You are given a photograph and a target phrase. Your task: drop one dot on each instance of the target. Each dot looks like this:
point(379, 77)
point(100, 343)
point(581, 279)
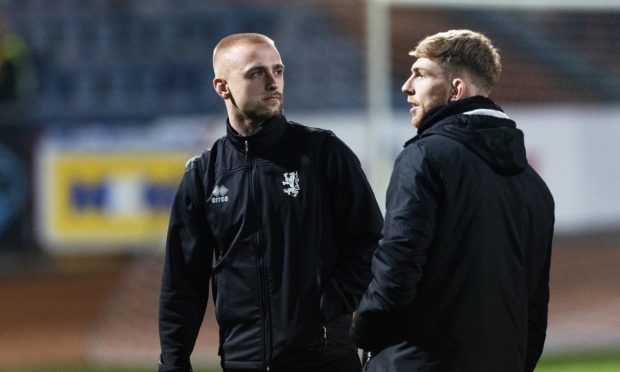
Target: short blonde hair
point(463, 50)
point(234, 40)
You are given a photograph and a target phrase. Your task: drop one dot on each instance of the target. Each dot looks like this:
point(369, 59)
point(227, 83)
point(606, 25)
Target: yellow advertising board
point(108, 199)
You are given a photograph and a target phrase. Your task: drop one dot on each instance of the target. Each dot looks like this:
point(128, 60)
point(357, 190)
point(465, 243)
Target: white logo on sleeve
point(291, 183)
point(219, 194)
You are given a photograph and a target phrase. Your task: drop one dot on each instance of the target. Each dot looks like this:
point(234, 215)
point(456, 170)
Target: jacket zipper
point(262, 280)
point(324, 335)
point(366, 357)
point(323, 322)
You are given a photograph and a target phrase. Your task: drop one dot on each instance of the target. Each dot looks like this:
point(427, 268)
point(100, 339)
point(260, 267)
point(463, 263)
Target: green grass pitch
point(590, 362)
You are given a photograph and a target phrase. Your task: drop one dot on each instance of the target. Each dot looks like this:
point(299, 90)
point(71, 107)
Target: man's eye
point(278, 72)
point(257, 74)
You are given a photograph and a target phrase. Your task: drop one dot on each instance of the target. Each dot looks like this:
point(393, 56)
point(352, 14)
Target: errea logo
point(219, 194)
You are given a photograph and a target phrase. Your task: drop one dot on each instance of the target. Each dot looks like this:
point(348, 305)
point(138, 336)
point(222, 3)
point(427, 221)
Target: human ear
point(221, 88)
point(458, 90)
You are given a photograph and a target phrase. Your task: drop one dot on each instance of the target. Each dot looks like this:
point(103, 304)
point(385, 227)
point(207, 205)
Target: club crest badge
point(291, 184)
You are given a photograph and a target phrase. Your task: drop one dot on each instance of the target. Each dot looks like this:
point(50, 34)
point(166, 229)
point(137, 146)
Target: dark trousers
point(347, 364)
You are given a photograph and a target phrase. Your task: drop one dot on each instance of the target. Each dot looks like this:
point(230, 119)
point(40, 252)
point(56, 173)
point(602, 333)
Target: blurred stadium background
point(102, 101)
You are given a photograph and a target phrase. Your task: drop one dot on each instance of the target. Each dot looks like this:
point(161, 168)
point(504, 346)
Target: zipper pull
point(324, 336)
point(366, 357)
point(247, 149)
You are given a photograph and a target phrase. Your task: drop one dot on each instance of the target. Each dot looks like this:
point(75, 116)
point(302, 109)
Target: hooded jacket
point(460, 280)
point(284, 223)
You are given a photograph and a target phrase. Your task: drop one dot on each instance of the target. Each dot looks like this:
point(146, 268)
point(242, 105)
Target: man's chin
point(269, 114)
point(415, 121)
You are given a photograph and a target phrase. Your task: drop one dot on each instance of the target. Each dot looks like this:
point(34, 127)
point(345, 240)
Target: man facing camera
point(281, 219)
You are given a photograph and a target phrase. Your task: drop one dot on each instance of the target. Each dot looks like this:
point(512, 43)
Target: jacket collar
point(482, 127)
point(456, 107)
point(271, 132)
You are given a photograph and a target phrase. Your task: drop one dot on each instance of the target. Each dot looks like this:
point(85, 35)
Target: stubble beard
point(417, 117)
point(268, 113)
point(424, 108)
point(261, 114)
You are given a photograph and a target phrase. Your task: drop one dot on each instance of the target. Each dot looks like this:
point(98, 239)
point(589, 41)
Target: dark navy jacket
point(284, 223)
point(461, 277)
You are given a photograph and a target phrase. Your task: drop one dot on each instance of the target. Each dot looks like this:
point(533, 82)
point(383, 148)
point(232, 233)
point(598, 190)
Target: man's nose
point(271, 81)
point(407, 87)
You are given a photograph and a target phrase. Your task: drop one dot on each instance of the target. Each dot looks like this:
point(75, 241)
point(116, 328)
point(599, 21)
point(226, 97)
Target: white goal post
point(378, 57)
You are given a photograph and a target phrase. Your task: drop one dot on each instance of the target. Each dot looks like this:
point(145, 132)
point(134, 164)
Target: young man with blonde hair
point(461, 276)
point(280, 218)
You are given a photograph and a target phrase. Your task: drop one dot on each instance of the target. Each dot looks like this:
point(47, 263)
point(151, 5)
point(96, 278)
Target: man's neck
point(245, 127)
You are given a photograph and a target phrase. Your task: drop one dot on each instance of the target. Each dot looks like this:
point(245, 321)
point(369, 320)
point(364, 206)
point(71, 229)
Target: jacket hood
point(484, 128)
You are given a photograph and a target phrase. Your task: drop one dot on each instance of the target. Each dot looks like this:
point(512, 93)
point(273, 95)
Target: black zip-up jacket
point(284, 222)
point(460, 280)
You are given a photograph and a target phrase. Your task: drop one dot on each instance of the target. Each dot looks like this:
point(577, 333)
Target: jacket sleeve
point(187, 269)
point(537, 321)
point(397, 266)
point(357, 220)
point(538, 298)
